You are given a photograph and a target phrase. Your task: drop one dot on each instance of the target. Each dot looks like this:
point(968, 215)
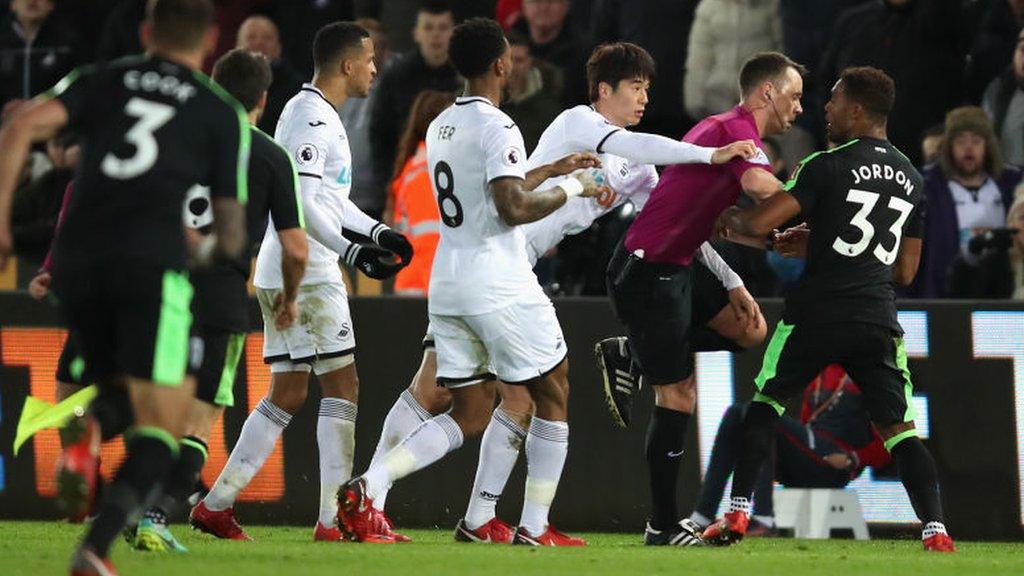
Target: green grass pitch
point(38, 548)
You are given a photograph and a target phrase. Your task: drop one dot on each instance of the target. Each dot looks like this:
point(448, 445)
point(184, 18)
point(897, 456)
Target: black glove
point(372, 261)
point(387, 238)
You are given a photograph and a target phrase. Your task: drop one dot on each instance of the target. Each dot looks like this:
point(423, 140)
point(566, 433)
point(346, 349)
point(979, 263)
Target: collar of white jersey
point(307, 87)
point(463, 100)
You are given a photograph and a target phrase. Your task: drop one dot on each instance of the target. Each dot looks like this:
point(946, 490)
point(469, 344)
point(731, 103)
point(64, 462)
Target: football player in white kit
point(322, 340)
point(619, 77)
point(487, 310)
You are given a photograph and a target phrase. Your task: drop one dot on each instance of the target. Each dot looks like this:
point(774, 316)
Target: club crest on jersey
point(513, 156)
point(307, 154)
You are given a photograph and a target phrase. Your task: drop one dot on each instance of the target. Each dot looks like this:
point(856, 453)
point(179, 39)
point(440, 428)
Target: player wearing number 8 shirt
point(152, 127)
point(863, 202)
point(487, 310)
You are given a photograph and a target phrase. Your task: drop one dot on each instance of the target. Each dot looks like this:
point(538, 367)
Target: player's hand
point(792, 242)
point(374, 261)
point(743, 305)
point(397, 243)
point(839, 461)
point(39, 287)
point(744, 149)
point(574, 162)
point(285, 313)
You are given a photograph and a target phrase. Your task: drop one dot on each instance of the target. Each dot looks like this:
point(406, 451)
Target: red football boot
point(550, 537)
point(939, 543)
point(327, 534)
point(387, 527)
point(728, 530)
point(221, 524)
point(78, 468)
point(493, 532)
point(357, 518)
point(85, 562)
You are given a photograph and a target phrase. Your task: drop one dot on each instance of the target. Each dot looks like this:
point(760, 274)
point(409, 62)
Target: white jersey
point(583, 129)
point(481, 263)
point(311, 131)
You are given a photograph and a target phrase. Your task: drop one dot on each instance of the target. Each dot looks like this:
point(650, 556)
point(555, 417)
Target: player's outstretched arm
point(516, 205)
point(762, 219)
point(38, 120)
point(760, 184)
point(561, 167)
point(905, 268)
point(655, 149)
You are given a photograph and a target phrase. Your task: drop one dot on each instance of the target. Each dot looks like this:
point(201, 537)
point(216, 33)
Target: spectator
point(36, 50)
point(661, 27)
point(369, 186)
point(993, 45)
point(425, 68)
point(508, 12)
point(931, 144)
point(397, 17)
point(298, 21)
point(919, 44)
point(534, 93)
point(830, 445)
point(121, 32)
point(37, 202)
point(1004, 104)
point(552, 40)
point(724, 35)
point(259, 34)
point(413, 209)
point(1015, 219)
point(967, 192)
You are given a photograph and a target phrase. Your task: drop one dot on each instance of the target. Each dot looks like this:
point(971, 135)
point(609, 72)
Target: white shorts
point(518, 343)
point(323, 329)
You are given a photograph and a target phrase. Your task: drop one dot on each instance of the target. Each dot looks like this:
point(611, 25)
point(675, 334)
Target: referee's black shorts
point(218, 352)
point(873, 356)
point(654, 302)
point(71, 364)
point(128, 320)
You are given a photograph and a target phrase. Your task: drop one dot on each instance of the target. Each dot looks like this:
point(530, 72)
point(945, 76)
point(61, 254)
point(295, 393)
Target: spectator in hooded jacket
point(36, 50)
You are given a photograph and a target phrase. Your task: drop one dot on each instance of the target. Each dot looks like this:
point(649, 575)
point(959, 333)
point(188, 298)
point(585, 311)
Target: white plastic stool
point(814, 512)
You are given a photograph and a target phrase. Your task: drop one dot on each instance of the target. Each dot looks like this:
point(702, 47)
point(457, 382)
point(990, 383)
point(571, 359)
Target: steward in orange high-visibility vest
point(416, 215)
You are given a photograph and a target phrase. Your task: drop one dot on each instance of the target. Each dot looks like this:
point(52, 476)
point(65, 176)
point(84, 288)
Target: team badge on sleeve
point(307, 154)
point(513, 156)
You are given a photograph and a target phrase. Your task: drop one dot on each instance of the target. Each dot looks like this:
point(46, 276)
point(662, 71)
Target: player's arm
point(516, 205)
point(759, 183)
point(39, 120)
point(356, 220)
point(289, 223)
point(661, 151)
point(905, 268)
point(561, 167)
point(742, 303)
point(229, 184)
point(758, 221)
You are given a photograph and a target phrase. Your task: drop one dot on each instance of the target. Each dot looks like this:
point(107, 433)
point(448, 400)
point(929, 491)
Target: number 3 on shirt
point(445, 184)
point(151, 116)
point(867, 201)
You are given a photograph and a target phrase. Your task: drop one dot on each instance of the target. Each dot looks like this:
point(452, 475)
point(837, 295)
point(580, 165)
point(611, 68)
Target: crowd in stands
point(959, 115)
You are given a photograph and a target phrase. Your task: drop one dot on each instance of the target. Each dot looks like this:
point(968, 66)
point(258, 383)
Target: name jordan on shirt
point(882, 172)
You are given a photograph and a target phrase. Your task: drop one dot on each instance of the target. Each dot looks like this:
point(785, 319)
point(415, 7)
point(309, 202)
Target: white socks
point(546, 446)
point(427, 444)
point(336, 439)
point(740, 504)
point(499, 451)
point(405, 415)
point(931, 529)
point(259, 434)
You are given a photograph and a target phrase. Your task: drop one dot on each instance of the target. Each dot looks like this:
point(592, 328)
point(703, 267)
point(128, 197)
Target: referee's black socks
point(151, 453)
point(181, 480)
point(666, 434)
point(758, 433)
point(920, 478)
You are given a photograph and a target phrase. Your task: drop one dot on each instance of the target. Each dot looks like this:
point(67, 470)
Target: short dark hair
point(873, 89)
point(765, 66)
point(475, 44)
point(435, 7)
point(517, 38)
point(245, 75)
point(334, 40)
point(612, 63)
point(179, 24)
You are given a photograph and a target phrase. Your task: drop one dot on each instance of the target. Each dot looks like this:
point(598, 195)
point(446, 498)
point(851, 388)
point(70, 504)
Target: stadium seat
point(815, 512)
